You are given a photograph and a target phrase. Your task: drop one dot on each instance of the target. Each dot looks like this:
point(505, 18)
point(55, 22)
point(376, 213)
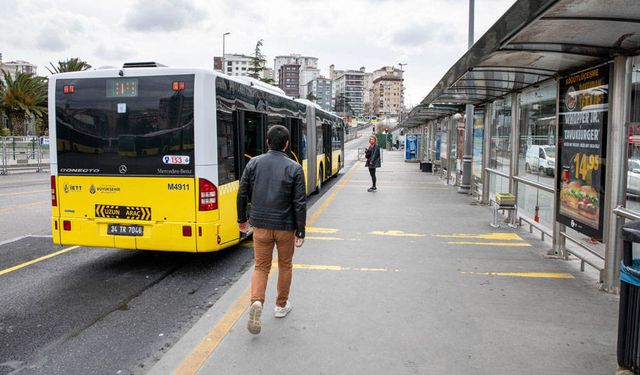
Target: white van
point(541, 159)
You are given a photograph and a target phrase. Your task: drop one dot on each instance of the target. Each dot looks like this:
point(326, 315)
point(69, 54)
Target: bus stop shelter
point(583, 54)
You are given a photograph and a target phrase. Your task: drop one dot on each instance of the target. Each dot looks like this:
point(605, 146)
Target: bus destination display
point(122, 88)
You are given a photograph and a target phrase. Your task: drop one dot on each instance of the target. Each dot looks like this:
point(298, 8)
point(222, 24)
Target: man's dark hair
point(277, 137)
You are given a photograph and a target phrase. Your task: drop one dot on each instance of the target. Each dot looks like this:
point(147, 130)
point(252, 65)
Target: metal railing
point(23, 154)
point(582, 258)
point(356, 131)
point(534, 225)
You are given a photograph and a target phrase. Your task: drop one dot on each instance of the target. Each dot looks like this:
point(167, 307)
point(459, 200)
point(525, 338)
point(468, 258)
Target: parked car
point(541, 159)
point(633, 178)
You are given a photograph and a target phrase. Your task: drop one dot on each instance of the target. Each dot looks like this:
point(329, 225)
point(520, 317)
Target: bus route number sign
point(176, 159)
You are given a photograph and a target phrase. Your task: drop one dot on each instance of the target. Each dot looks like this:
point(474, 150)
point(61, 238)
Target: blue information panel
point(411, 147)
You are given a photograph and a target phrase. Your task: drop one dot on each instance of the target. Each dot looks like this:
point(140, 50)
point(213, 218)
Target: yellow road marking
point(13, 208)
point(201, 353)
point(194, 361)
point(396, 233)
point(19, 266)
point(324, 238)
point(537, 275)
point(321, 230)
point(486, 236)
point(519, 244)
point(25, 192)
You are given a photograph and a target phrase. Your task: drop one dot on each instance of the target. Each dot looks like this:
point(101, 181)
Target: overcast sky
point(428, 35)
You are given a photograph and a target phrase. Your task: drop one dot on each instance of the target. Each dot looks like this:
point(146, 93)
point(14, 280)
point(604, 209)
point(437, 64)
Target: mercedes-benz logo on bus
point(122, 169)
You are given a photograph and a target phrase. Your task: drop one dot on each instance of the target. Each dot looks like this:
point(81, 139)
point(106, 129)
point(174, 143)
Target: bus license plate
point(125, 230)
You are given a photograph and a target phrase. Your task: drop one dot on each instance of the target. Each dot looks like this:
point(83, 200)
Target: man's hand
point(299, 241)
point(243, 227)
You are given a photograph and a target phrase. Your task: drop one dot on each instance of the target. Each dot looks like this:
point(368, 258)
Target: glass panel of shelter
point(633, 154)
point(537, 151)
point(500, 150)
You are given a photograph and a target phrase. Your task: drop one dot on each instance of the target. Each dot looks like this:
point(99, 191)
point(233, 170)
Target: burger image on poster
point(580, 201)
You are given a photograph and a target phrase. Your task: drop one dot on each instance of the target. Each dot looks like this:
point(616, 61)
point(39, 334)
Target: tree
point(23, 97)
point(311, 97)
point(73, 64)
point(269, 81)
point(256, 65)
point(342, 104)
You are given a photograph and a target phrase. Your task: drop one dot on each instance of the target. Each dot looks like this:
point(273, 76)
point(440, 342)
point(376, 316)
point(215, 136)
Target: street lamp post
point(224, 68)
point(467, 158)
point(401, 91)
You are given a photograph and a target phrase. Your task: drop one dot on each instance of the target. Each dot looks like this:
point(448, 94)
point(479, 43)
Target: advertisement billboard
point(583, 116)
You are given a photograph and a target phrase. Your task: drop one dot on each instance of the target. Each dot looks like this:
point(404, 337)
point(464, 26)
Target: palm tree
point(23, 96)
point(73, 64)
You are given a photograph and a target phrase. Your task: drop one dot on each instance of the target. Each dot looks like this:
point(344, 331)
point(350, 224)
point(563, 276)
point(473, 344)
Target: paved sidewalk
point(411, 280)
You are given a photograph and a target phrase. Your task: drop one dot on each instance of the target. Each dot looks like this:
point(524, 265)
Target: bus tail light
point(66, 225)
point(54, 197)
point(208, 195)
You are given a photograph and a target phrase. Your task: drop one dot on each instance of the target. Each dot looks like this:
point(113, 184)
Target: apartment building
point(387, 91)
point(18, 66)
point(322, 89)
point(305, 62)
point(236, 64)
point(289, 79)
point(350, 92)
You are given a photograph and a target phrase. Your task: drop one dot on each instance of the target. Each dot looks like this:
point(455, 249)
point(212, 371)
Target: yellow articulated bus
point(149, 157)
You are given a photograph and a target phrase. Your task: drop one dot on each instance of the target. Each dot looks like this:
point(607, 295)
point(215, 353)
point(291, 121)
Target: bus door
point(295, 143)
point(252, 136)
point(326, 148)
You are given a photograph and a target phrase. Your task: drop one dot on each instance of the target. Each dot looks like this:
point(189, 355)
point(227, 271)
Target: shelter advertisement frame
point(582, 149)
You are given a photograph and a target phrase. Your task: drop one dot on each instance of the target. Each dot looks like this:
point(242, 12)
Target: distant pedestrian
point(373, 160)
point(274, 185)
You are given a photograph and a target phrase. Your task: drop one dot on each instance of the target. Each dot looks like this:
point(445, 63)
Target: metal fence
point(18, 154)
point(355, 131)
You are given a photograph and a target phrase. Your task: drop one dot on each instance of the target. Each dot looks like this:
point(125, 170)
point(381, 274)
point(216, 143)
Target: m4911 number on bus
point(178, 186)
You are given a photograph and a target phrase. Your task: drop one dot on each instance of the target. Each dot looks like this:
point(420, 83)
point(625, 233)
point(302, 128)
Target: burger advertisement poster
point(582, 149)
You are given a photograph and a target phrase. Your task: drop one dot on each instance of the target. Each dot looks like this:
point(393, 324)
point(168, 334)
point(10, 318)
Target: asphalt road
point(94, 310)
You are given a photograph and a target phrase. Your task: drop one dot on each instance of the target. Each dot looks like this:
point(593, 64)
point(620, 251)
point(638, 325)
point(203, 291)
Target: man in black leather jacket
point(274, 184)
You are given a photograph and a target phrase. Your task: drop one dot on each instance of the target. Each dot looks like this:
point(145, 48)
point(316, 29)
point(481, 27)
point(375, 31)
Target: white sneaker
point(281, 312)
point(253, 325)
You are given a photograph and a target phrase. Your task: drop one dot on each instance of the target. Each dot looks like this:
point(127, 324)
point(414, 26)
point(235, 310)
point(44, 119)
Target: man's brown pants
point(263, 241)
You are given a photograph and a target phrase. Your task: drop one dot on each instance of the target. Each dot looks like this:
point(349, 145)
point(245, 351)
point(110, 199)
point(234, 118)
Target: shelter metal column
point(615, 184)
point(467, 156)
point(486, 178)
point(515, 151)
point(558, 240)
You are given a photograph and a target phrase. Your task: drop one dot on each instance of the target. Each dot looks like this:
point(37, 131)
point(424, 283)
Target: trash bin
point(426, 166)
point(629, 314)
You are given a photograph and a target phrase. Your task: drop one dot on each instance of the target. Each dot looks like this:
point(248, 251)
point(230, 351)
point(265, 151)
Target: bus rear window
point(140, 126)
